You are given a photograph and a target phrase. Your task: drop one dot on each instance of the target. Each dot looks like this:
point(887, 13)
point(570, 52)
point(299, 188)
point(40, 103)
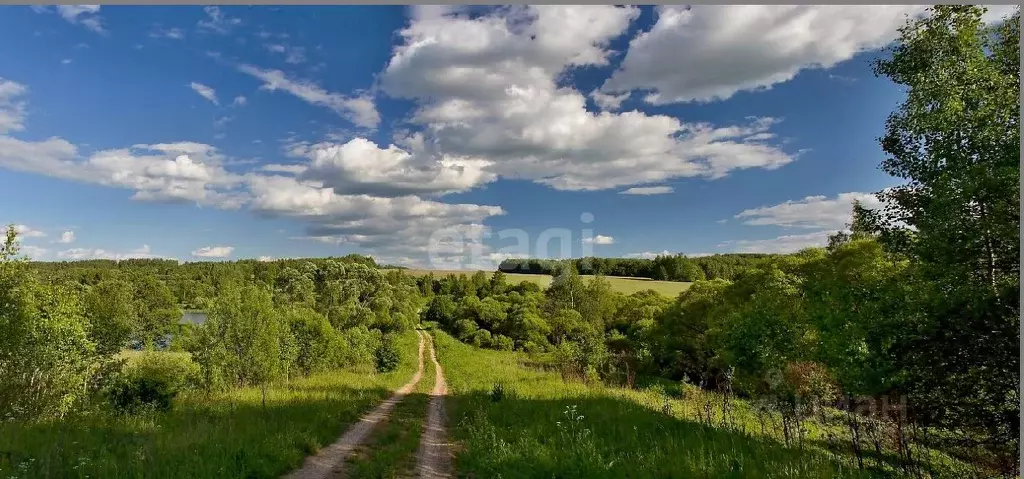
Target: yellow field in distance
point(620, 284)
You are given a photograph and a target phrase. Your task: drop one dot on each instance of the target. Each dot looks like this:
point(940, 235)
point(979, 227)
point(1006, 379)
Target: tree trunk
point(851, 421)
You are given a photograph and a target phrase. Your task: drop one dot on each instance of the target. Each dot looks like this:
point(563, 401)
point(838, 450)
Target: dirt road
point(434, 460)
point(329, 462)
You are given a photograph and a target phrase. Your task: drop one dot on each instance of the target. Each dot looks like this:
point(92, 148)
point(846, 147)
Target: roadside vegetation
point(513, 418)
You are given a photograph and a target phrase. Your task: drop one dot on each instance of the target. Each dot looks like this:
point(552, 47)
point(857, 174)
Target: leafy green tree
point(157, 308)
point(764, 328)
point(46, 357)
point(598, 303)
point(956, 141)
point(441, 310)
point(680, 336)
point(315, 339)
point(296, 287)
point(251, 331)
point(566, 289)
point(110, 308)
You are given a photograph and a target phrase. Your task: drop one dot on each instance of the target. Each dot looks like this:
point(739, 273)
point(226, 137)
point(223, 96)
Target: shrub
point(151, 379)
point(501, 343)
point(387, 355)
point(358, 346)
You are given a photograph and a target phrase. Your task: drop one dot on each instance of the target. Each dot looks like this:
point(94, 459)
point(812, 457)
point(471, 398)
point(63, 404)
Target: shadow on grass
point(390, 451)
point(599, 436)
point(226, 436)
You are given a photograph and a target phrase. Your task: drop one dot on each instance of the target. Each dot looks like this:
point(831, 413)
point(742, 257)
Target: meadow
point(619, 284)
point(512, 419)
point(229, 434)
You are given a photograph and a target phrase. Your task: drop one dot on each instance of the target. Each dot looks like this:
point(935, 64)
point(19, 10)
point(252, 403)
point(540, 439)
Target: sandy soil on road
point(329, 462)
point(434, 458)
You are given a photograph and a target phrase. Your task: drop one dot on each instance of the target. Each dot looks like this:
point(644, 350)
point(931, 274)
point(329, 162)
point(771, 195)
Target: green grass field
point(545, 427)
point(620, 284)
point(224, 435)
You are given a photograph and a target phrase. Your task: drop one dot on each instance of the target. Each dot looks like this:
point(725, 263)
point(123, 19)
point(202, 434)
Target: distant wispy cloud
point(648, 190)
point(205, 92)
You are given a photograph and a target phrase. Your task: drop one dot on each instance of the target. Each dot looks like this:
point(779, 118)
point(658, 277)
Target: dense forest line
point(667, 267)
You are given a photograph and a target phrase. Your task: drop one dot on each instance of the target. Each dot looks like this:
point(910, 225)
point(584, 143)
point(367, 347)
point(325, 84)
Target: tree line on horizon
point(664, 267)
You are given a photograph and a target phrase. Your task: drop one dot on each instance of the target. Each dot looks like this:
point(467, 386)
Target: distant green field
point(620, 284)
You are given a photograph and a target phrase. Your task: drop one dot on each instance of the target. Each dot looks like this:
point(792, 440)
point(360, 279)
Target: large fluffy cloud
point(362, 167)
point(709, 52)
point(488, 87)
point(213, 252)
point(183, 171)
point(153, 172)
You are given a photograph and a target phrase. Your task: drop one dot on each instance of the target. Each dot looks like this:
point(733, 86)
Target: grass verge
point(221, 435)
point(543, 427)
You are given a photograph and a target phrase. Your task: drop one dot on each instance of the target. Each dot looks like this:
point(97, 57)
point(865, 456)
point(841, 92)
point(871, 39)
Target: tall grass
point(221, 435)
point(544, 427)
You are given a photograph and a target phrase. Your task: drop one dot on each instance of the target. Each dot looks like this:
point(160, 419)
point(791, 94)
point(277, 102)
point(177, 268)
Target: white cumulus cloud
point(213, 252)
point(780, 244)
point(25, 231)
point(67, 237)
point(76, 254)
point(360, 166)
point(649, 254)
point(711, 52)
point(84, 15)
point(600, 239)
point(489, 87)
point(819, 212)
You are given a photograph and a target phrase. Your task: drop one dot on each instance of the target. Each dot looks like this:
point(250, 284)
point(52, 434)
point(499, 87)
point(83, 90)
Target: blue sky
point(245, 132)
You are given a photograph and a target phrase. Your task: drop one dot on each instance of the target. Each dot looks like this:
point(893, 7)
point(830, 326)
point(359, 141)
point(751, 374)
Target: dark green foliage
point(150, 380)
point(666, 267)
point(956, 142)
point(112, 314)
point(388, 355)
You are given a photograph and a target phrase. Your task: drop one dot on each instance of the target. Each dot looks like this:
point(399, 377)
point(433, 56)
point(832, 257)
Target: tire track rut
point(330, 462)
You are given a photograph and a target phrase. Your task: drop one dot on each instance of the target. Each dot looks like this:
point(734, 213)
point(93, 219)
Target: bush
point(501, 343)
point(151, 379)
point(480, 338)
point(387, 355)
